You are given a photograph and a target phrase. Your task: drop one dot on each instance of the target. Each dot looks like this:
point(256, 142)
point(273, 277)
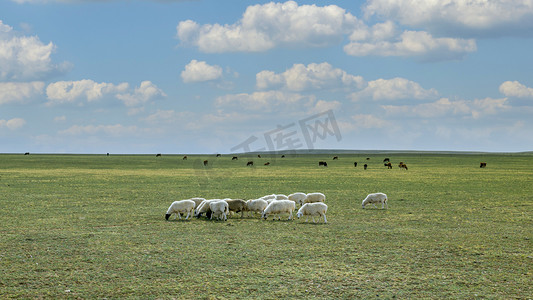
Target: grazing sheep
point(313, 209)
point(237, 205)
point(298, 198)
point(197, 201)
point(204, 208)
point(376, 198)
point(219, 209)
point(178, 207)
point(257, 205)
point(315, 197)
point(269, 197)
point(278, 207)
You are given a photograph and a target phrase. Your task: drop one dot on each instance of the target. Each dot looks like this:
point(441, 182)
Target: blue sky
point(211, 76)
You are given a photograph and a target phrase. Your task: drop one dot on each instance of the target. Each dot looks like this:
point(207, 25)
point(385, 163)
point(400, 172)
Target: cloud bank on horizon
point(420, 75)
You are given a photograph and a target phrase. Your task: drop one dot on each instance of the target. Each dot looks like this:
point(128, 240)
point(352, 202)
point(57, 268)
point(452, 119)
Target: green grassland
point(90, 226)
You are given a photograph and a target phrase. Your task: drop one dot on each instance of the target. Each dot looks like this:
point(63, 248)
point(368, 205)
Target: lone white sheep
point(376, 198)
point(219, 209)
point(178, 207)
point(278, 207)
point(315, 197)
point(298, 198)
point(313, 209)
point(256, 205)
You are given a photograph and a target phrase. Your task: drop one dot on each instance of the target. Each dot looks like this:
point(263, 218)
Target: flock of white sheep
point(311, 204)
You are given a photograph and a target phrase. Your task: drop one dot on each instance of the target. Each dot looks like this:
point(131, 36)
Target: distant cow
point(355, 164)
point(259, 155)
point(107, 153)
point(218, 155)
point(267, 163)
point(283, 156)
point(27, 153)
point(482, 165)
point(365, 166)
point(368, 158)
point(335, 157)
point(388, 165)
point(158, 155)
point(402, 165)
point(322, 163)
point(386, 160)
point(184, 157)
point(205, 163)
point(234, 158)
point(250, 163)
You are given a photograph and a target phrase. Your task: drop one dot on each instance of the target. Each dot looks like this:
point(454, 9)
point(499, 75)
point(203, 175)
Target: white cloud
point(264, 102)
point(25, 57)
point(394, 89)
point(112, 130)
point(13, 124)
point(197, 71)
point(311, 77)
point(384, 39)
point(364, 121)
point(145, 92)
point(71, 91)
point(446, 107)
point(263, 27)
point(19, 91)
point(516, 89)
point(459, 17)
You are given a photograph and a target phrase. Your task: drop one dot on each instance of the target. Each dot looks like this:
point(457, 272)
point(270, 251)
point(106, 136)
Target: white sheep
point(204, 208)
point(314, 197)
point(219, 209)
point(178, 207)
point(313, 209)
point(197, 200)
point(275, 197)
point(256, 205)
point(298, 197)
point(376, 198)
point(278, 207)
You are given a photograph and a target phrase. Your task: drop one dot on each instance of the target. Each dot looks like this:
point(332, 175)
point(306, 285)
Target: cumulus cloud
point(25, 57)
point(147, 91)
point(70, 91)
point(394, 89)
point(12, 124)
point(514, 89)
point(311, 77)
point(384, 39)
point(263, 27)
point(197, 71)
point(263, 101)
point(19, 91)
point(73, 91)
point(446, 107)
point(459, 17)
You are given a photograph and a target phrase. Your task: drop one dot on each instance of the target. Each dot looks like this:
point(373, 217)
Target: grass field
point(89, 226)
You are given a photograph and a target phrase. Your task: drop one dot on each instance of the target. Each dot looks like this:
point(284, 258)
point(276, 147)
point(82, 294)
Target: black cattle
point(218, 155)
point(355, 164)
point(27, 153)
point(335, 157)
point(250, 163)
point(386, 160)
point(322, 163)
point(158, 155)
point(267, 163)
point(206, 162)
point(365, 166)
point(258, 155)
point(234, 158)
point(184, 157)
point(388, 165)
point(403, 166)
point(283, 156)
point(482, 165)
